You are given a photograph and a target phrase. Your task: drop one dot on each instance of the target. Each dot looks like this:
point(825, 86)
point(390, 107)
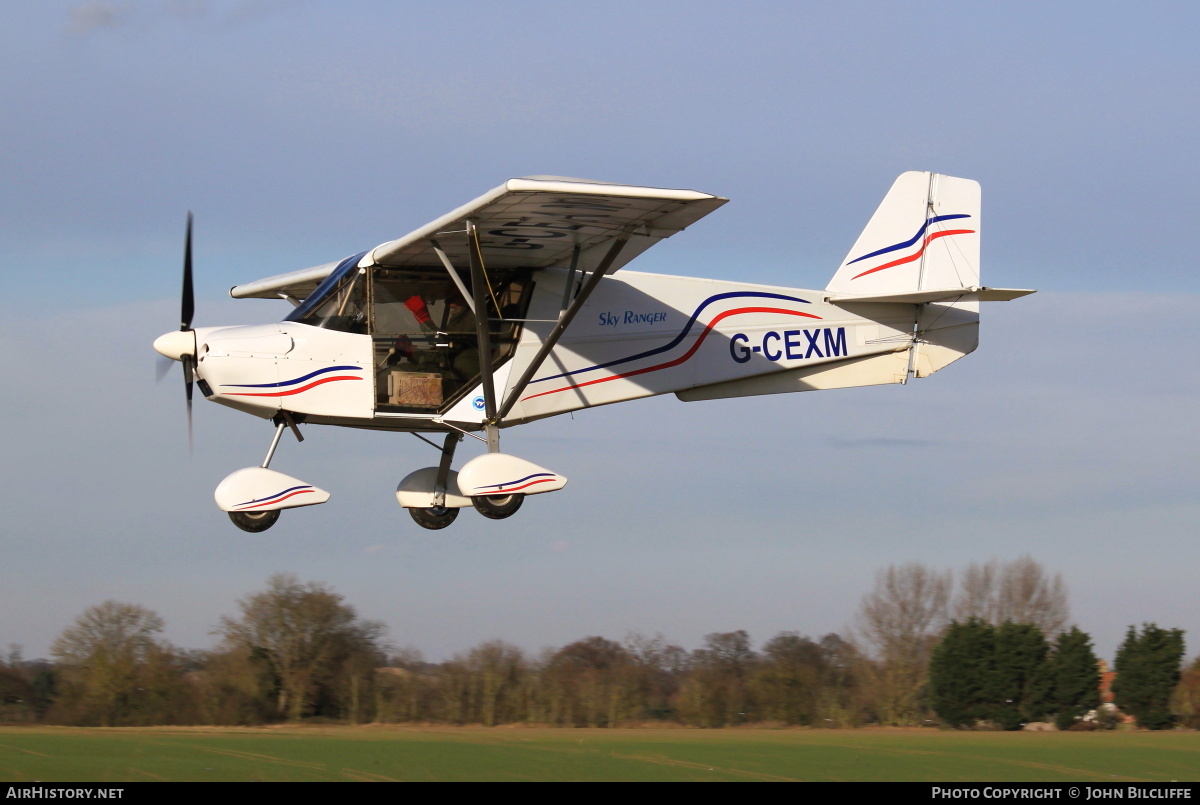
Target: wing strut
point(483, 335)
point(494, 412)
point(470, 299)
point(566, 300)
point(563, 321)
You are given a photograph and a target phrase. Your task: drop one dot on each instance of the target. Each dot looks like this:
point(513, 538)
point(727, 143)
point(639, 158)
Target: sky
point(302, 132)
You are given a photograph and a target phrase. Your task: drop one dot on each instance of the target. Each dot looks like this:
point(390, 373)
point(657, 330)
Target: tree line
point(1010, 675)
point(991, 652)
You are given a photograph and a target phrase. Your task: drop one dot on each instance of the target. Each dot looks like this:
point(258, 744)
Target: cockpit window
point(339, 302)
point(425, 339)
point(422, 329)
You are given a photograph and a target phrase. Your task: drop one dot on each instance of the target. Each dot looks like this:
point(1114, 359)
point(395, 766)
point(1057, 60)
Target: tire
point(254, 522)
point(497, 507)
point(434, 518)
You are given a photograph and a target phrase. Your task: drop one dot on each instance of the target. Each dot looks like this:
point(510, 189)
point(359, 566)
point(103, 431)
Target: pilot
point(456, 363)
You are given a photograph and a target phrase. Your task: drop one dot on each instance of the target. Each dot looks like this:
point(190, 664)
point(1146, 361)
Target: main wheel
point(434, 518)
point(254, 522)
point(497, 507)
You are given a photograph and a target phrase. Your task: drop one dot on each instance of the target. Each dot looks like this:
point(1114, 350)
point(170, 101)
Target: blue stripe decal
point(290, 382)
point(276, 495)
point(911, 241)
point(682, 333)
point(519, 480)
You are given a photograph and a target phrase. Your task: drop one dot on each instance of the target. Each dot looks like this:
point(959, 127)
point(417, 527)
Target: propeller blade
point(162, 365)
point(187, 388)
point(188, 305)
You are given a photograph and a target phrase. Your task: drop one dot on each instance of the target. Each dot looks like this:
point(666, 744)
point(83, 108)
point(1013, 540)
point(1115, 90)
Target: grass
point(374, 753)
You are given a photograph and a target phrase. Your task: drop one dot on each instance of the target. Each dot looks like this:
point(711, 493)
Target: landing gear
point(431, 494)
point(254, 496)
point(497, 507)
point(433, 518)
point(495, 484)
point(254, 522)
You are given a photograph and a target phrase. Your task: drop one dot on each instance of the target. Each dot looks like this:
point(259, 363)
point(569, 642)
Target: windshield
point(339, 302)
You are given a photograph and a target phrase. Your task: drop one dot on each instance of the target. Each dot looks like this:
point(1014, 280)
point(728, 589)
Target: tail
point(924, 236)
point(915, 271)
point(921, 247)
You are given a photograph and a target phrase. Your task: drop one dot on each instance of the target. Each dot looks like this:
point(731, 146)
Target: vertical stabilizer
point(923, 236)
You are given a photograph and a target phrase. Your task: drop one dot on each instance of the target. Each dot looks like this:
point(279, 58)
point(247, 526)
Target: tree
point(404, 689)
point(309, 641)
point(658, 669)
point(1020, 675)
point(1073, 674)
point(497, 671)
point(18, 697)
point(999, 674)
point(1186, 701)
point(234, 687)
point(962, 676)
point(788, 680)
point(900, 620)
point(842, 697)
point(116, 670)
point(592, 682)
point(1019, 591)
point(1148, 669)
point(715, 692)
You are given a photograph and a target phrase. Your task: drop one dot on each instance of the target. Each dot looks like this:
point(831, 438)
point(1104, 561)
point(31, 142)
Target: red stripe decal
point(293, 391)
point(687, 354)
point(515, 488)
point(270, 502)
point(928, 239)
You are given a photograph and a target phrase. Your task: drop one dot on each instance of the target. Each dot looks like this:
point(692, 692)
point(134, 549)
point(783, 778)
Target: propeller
point(188, 305)
point(162, 365)
point(187, 309)
point(180, 345)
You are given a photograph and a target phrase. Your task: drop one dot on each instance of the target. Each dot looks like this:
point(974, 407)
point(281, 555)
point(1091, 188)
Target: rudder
point(924, 235)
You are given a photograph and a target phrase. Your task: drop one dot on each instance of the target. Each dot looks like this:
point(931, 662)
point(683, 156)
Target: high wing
point(295, 285)
point(532, 222)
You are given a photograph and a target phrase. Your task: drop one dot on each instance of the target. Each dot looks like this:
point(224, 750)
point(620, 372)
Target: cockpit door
point(423, 335)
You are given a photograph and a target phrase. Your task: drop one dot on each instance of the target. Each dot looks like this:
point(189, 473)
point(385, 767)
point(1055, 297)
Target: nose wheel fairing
point(258, 489)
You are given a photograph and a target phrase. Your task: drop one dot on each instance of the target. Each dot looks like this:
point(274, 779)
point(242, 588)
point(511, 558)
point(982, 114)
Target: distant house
point(1107, 707)
point(1106, 680)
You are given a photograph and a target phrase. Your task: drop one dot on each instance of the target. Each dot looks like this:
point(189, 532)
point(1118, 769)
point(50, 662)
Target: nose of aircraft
point(176, 344)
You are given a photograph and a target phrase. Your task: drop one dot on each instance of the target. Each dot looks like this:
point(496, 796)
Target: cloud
point(881, 441)
point(89, 17)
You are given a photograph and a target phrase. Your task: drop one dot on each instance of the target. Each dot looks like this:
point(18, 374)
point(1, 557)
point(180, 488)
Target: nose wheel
point(254, 522)
point(254, 496)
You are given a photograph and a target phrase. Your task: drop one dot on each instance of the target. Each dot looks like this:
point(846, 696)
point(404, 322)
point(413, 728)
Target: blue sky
point(302, 132)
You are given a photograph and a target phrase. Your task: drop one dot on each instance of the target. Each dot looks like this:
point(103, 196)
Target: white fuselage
point(638, 335)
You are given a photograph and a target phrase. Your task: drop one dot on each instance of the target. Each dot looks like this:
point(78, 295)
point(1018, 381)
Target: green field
point(68, 754)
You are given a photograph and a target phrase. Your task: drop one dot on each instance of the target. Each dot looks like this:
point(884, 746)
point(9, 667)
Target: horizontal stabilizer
point(971, 294)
